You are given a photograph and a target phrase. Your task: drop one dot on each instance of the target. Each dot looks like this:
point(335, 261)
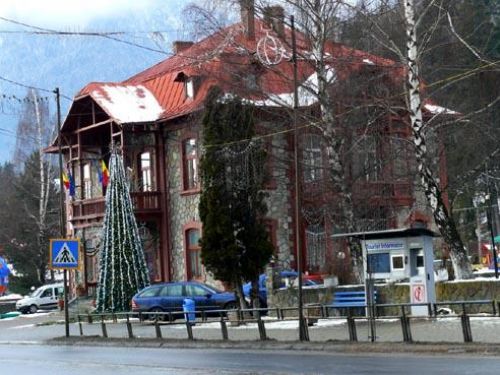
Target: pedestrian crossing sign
point(64, 253)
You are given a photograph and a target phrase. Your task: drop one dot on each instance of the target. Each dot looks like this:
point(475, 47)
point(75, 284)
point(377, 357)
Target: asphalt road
point(78, 360)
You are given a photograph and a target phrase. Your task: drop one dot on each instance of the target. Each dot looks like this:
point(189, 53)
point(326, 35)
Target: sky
point(70, 62)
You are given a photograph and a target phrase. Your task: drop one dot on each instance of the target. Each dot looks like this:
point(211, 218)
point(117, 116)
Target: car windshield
point(37, 292)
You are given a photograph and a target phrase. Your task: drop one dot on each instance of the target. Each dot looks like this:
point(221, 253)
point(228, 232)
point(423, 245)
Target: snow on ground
point(9, 297)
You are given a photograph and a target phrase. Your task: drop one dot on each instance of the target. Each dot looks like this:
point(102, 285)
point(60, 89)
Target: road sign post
point(64, 255)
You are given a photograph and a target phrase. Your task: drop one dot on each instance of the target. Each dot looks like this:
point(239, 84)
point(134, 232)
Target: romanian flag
point(69, 183)
point(65, 179)
point(104, 175)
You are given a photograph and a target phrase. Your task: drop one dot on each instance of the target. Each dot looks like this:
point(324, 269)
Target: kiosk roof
point(389, 233)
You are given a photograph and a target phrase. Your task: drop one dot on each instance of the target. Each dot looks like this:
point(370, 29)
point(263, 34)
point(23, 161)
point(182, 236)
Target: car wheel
point(156, 310)
point(231, 306)
point(33, 309)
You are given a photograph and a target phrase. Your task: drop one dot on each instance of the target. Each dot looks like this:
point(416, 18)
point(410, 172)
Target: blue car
point(291, 275)
point(169, 297)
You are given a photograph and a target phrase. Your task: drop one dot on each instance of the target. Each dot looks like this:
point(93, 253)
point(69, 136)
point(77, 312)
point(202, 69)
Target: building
point(155, 116)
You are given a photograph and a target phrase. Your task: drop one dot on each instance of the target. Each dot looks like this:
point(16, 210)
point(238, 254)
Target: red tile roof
point(226, 58)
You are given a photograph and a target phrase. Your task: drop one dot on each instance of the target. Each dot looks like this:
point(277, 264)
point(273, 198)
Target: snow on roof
point(438, 110)
point(127, 103)
point(307, 92)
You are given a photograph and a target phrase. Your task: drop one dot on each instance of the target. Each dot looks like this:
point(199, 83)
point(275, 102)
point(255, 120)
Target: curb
point(432, 349)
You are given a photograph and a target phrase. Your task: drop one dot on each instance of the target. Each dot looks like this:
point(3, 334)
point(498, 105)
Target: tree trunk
point(329, 126)
point(444, 222)
point(255, 297)
point(240, 295)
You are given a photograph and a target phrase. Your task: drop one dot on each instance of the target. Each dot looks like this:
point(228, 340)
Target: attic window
point(189, 87)
point(189, 84)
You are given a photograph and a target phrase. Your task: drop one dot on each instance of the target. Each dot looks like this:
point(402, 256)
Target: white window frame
point(313, 158)
point(87, 181)
point(392, 262)
point(189, 84)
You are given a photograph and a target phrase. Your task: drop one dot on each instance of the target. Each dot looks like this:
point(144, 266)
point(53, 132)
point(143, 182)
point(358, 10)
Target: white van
point(43, 298)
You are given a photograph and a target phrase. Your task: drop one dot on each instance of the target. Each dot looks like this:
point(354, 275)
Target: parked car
point(169, 297)
point(43, 298)
point(287, 278)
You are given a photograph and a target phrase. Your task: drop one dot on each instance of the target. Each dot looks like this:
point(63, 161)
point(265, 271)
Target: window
point(47, 293)
point(189, 86)
point(193, 250)
point(172, 291)
point(87, 182)
point(145, 166)
point(420, 261)
point(151, 292)
point(378, 263)
point(398, 262)
point(196, 291)
point(313, 161)
point(316, 247)
point(190, 163)
point(368, 164)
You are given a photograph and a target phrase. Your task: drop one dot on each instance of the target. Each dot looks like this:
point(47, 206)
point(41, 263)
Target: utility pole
point(489, 213)
point(303, 335)
point(61, 207)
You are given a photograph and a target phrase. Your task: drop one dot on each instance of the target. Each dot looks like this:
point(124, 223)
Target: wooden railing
point(88, 208)
point(94, 208)
point(146, 201)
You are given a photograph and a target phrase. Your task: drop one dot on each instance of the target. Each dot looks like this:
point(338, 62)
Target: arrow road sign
point(64, 253)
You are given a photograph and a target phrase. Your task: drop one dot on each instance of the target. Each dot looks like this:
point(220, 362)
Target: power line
point(108, 35)
point(86, 33)
point(31, 87)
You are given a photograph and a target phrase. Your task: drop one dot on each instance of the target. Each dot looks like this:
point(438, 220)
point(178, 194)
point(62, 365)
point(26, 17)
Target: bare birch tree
point(444, 222)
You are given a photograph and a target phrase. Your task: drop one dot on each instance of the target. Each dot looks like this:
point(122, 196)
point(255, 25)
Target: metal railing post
point(405, 326)
point(129, 328)
point(80, 325)
point(262, 329)
point(351, 326)
point(157, 328)
point(189, 329)
point(223, 329)
point(466, 330)
point(103, 327)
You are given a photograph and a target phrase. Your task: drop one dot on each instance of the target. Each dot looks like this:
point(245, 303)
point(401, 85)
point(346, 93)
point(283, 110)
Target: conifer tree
point(235, 246)
point(123, 270)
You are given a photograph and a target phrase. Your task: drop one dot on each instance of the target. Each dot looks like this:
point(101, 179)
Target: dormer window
point(189, 84)
point(189, 88)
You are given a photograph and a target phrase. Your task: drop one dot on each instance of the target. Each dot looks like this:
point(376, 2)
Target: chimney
point(274, 17)
point(248, 18)
point(179, 46)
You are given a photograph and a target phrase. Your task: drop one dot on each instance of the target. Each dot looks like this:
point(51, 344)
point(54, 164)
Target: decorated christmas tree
point(123, 270)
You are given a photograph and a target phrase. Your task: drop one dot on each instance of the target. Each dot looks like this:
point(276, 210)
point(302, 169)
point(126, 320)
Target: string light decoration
point(270, 50)
point(123, 269)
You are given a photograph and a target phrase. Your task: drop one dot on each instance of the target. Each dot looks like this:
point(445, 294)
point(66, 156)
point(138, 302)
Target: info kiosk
point(401, 255)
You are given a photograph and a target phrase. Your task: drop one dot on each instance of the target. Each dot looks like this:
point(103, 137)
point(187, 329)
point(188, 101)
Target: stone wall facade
point(183, 205)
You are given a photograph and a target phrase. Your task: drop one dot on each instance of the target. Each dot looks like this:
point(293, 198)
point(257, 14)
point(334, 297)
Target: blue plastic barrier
point(189, 309)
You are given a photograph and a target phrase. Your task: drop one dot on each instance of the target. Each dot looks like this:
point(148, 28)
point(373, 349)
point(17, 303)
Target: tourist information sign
point(64, 253)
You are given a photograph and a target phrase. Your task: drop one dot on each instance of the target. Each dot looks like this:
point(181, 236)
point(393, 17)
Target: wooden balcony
point(86, 211)
point(146, 202)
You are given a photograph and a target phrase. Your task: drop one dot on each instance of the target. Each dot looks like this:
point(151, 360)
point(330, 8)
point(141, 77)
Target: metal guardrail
point(312, 313)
